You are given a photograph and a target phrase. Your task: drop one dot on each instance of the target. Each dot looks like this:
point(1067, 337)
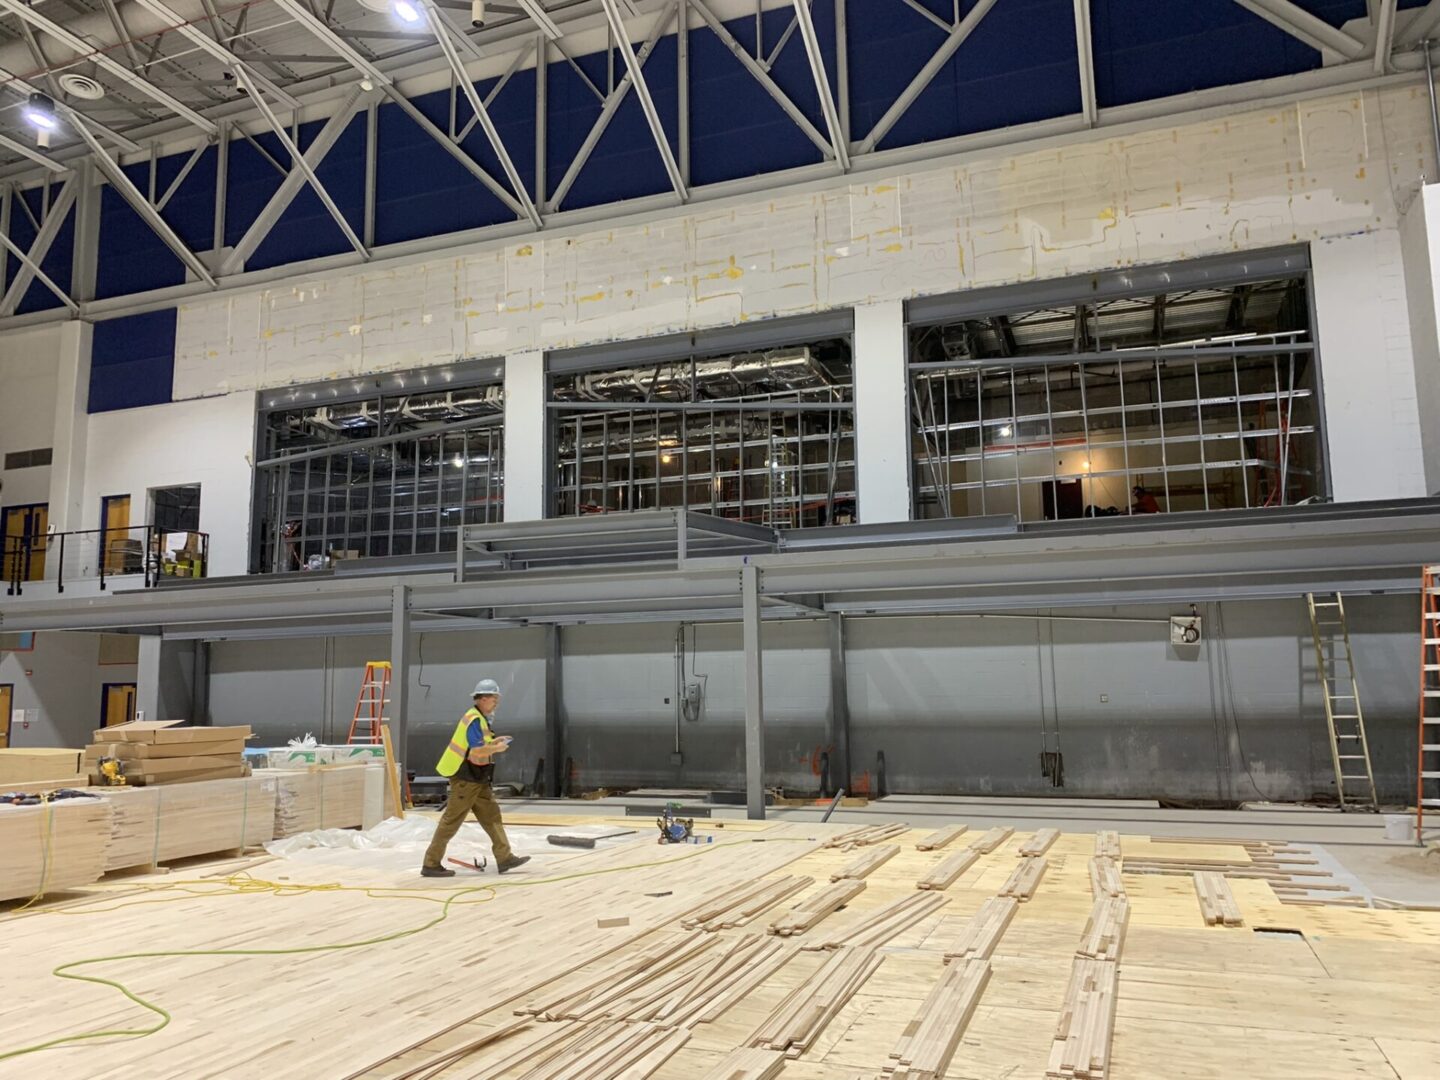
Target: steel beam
point(133, 195)
point(24, 89)
point(762, 76)
point(372, 139)
point(642, 93)
point(542, 91)
point(554, 748)
point(424, 123)
point(1085, 48)
point(612, 104)
point(842, 67)
point(45, 278)
point(85, 257)
point(1424, 24)
point(839, 716)
point(17, 147)
point(682, 85)
point(840, 146)
point(190, 163)
point(754, 693)
point(222, 186)
point(205, 43)
point(961, 31)
point(302, 169)
point(1300, 24)
point(1384, 35)
point(86, 51)
point(298, 160)
point(541, 19)
point(30, 261)
point(322, 30)
point(398, 712)
point(443, 33)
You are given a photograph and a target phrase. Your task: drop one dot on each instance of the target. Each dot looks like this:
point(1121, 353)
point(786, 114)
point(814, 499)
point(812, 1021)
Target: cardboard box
point(233, 748)
point(19, 764)
point(168, 731)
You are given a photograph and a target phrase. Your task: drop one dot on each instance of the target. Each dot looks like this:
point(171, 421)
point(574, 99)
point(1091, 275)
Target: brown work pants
point(466, 798)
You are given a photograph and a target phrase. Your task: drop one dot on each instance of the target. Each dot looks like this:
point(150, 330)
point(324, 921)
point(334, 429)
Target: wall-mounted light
point(1006, 431)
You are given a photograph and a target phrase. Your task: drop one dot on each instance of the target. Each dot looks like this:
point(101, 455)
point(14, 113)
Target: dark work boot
point(436, 871)
point(512, 862)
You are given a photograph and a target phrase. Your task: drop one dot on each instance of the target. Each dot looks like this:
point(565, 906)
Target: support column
point(754, 694)
point(525, 436)
point(554, 719)
point(72, 398)
point(399, 672)
point(838, 736)
point(147, 678)
point(86, 249)
point(882, 419)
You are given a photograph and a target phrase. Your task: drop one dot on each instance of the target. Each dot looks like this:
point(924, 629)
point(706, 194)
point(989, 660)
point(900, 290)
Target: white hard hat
point(486, 686)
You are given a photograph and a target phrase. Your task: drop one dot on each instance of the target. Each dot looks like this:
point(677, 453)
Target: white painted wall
point(882, 413)
point(208, 442)
point(29, 360)
point(525, 450)
point(1420, 242)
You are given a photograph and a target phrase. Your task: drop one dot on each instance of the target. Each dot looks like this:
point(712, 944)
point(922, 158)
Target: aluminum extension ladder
point(1344, 718)
point(1427, 785)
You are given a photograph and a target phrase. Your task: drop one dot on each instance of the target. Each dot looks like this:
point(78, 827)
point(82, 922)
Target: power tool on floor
point(674, 830)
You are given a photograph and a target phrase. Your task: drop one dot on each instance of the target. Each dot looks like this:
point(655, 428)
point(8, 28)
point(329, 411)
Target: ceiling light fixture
point(1006, 431)
point(40, 112)
point(406, 10)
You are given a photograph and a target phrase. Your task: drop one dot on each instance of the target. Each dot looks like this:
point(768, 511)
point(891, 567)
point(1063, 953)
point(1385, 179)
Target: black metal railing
point(144, 551)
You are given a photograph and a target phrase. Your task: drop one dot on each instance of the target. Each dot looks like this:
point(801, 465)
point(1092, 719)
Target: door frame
point(5, 512)
point(7, 691)
point(105, 689)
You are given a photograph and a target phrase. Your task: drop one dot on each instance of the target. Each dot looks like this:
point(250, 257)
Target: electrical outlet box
point(677, 758)
point(1185, 630)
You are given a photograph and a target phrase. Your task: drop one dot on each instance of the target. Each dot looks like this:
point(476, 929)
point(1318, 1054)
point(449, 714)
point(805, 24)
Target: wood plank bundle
point(984, 930)
point(153, 825)
point(1105, 929)
point(811, 910)
point(866, 863)
point(736, 907)
point(685, 991)
point(1087, 1023)
point(1038, 844)
point(599, 996)
point(21, 766)
point(321, 797)
point(609, 1052)
point(1105, 878)
point(748, 1063)
point(992, 839)
point(802, 1015)
point(1025, 880)
point(944, 873)
point(930, 1040)
point(57, 845)
point(941, 838)
point(869, 834)
point(877, 927)
point(763, 962)
point(164, 752)
point(1217, 902)
point(1107, 844)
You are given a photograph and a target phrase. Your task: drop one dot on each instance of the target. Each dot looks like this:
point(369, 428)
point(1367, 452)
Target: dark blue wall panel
point(57, 263)
point(132, 361)
point(251, 181)
point(306, 230)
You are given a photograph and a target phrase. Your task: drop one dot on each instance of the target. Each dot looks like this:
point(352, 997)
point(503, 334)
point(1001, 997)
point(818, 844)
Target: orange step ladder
point(370, 705)
point(1427, 785)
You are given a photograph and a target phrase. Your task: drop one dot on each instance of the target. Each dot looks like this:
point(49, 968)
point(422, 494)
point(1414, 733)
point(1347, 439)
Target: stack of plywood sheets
point(153, 825)
point(51, 847)
point(323, 797)
point(163, 752)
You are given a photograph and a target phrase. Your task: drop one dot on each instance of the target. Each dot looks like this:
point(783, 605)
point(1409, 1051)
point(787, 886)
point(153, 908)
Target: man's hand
point(482, 755)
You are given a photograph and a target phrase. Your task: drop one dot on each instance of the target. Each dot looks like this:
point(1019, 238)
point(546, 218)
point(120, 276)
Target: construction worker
point(469, 762)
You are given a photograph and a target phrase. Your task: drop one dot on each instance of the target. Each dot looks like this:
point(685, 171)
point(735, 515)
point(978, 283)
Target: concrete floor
point(1354, 843)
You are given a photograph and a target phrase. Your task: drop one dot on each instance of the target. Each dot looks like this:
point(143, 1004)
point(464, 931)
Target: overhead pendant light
point(40, 112)
point(406, 10)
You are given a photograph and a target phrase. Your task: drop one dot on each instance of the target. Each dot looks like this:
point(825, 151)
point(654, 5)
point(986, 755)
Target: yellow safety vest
point(455, 754)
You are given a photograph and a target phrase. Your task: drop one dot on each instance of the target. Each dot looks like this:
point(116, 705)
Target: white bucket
point(1400, 827)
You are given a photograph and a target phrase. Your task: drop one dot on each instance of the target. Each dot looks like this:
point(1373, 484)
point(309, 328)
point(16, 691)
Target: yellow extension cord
point(242, 884)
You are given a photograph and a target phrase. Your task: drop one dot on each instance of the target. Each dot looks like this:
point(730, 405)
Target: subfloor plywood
point(1299, 991)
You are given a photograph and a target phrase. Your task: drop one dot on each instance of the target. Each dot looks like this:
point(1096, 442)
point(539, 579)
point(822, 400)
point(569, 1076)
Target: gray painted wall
point(955, 704)
point(61, 677)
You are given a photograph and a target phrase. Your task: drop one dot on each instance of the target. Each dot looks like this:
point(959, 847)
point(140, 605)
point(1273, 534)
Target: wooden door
point(25, 562)
point(117, 704)
point(115, 520)
point(7, 698)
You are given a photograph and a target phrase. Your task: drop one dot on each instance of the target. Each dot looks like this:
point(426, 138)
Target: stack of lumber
point(812, 909)
point(748, 1063)
point(1107, 844)
point(877, 927)
point(941, 838)
point(1217, 902)
point(992, 839)
point(614, 979)
point(1105, 878)
point(153, 825)
point(800, 1018)
point(984, 930)
point(868, 834)
point(864, 864)
point(606, 1052)
point(944, 873)
point(51, 847)
point(1105, 929)
point(162, 752)
point(736, 907)
point(40, 768)
point(930, 1040)
point(1038, 844)
point(1025, 880)
point(1087, 1022)
point(1292, 873)
point(323, 797)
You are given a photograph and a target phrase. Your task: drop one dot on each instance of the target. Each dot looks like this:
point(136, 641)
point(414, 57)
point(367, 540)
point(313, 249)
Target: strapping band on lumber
point(948, 869)
point(812, 909)
point(941, 838)
point(866, 863)
point(877, 927)
point(984, 931)
point(1025, 880)
point(1038, 844)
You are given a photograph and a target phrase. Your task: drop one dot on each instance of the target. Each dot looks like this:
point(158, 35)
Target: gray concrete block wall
point(956, 705)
